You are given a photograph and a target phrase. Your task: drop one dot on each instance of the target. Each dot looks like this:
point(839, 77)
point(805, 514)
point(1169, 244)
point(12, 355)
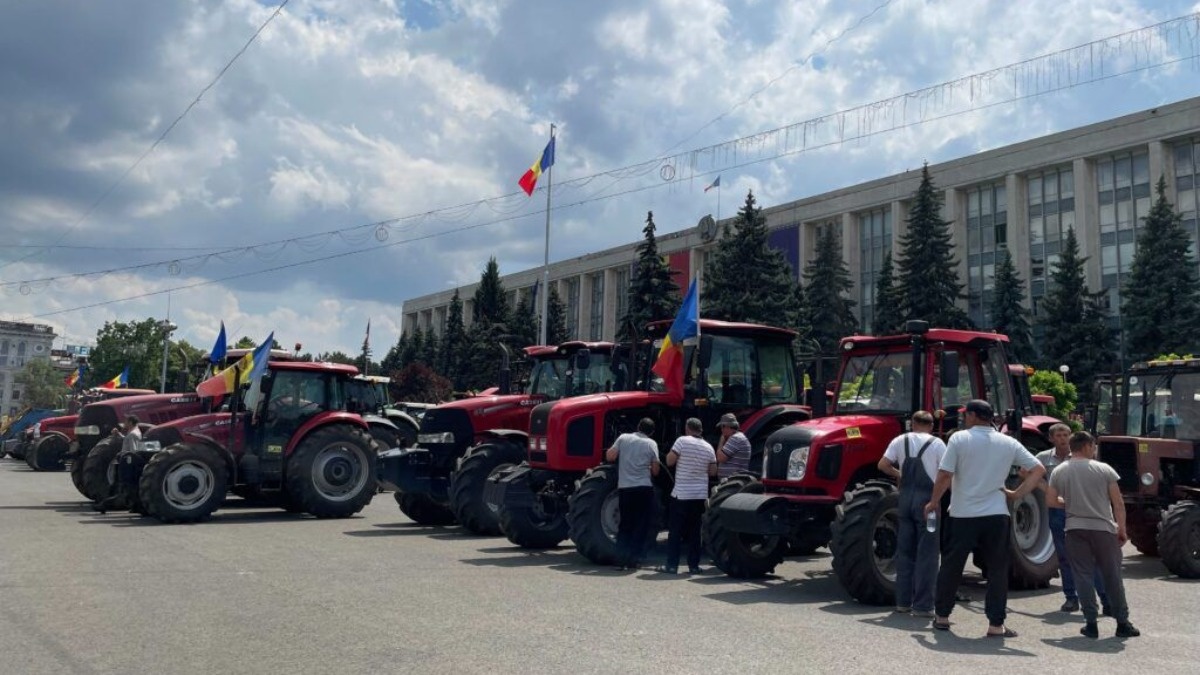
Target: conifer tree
point(1076, 327)
point(829, 312)
point(524, 324)
point(745, 279)
point(889, 301)
point(556, 318)
point(416, 347)
point(928, 272)
point(653, 292)
point(1160, 302)
point(1009, 315)
point(430, 349)
point(394, 359)
point(491, 303)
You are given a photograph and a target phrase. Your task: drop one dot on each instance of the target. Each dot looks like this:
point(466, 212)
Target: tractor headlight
point(1147, 479)
point(797, 463)
point(37, 430)
point(151, 446)
point(442, 437)
point(89, 430)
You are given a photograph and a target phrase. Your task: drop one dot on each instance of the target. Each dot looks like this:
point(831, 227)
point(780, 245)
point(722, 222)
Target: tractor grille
point(453, 420)
point(102, 416)
point(539, 420)
point(1121, 456)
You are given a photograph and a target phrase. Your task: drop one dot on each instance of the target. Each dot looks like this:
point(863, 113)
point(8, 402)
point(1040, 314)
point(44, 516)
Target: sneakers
point(1069, 606)
point(1106, 610)
point(1126, 630)
point(923, 613)
point(695, 570)
point(1090, 630)
point(903, 610)
point(668, 570)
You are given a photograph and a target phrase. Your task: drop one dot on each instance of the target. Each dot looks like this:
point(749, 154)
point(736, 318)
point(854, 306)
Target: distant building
point(1098, 179)
point(19, 342)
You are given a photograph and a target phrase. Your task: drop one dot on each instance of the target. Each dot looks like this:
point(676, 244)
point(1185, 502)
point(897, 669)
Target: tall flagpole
point(545, 299)
point(718, 200)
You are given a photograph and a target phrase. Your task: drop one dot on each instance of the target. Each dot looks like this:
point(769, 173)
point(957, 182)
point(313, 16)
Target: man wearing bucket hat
point(733, 450)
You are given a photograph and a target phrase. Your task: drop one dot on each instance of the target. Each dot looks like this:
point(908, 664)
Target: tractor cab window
point(297, 396)
point(548, 378)
point(880, 382)
point(731, 371)
point(953, 398)
point(996, 380)
point(1164, 405)
point(778, 374)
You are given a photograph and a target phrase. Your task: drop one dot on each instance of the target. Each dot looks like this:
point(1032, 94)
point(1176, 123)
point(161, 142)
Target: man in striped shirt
point(733, 450)
point(694, 461)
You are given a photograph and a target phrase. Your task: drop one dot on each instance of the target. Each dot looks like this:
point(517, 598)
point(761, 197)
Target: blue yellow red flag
point(119, 381)
point(529, 181)
point(669, 364)
point(246, 369)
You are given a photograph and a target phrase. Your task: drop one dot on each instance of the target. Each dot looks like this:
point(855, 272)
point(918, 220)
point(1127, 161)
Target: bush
point(1064, 393)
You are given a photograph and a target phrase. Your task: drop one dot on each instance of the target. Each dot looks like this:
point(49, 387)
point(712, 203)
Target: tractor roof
point(377, 379)
point(546, 351)
point(657, 328)
point(1165, 364)
point(314, 366)
point(114, 393)
point(237, 353)
point(947, 335)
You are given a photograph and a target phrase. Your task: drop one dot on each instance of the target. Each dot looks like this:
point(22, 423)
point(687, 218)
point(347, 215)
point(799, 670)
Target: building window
point(1187, 185)
point(621, 288)
point(987, 234)
point(597, 314)
point(16, 395)
point(573, 308)
point(875, 239)
point(1123, 188)
point(1050, 200)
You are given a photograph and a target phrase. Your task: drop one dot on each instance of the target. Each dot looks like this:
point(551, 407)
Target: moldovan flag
point(669, 364)
point(249, 366)
point(219, 347)
point(74, 376)
point(529, 181)
point(119, 381)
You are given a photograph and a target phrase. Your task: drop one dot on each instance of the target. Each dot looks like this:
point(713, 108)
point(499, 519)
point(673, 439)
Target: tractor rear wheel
point(331, 474)
point(469, 478)
point(424, 510)
point(98, 474)
point(182, 483)
point(740, 555)
point(1179, 539)
point(1142, 525)
point(48, 453)
point(865, 537)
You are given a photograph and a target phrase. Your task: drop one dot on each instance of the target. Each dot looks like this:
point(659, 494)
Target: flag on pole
point(73, 378)
point(669, 364)
point(367, 339)
point(219, 347)
point(250, 366)
point(529, 181)
point(119, 381)
point(715, 183)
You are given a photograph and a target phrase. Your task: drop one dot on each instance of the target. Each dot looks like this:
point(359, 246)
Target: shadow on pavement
point(61, 507)
point(404, 530)
point(126, 519)
point(949, 643)
point(1087, 645)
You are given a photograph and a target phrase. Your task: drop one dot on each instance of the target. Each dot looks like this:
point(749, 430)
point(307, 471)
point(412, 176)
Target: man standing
point(694, 461)
point(638, 455)
point(913, 459)
point(1060, 435)
point(977, 462)
point(733, 450)
point(1088, 491)
point(133, 435)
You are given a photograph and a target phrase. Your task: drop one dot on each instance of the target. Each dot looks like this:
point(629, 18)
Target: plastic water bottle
point(931, 521)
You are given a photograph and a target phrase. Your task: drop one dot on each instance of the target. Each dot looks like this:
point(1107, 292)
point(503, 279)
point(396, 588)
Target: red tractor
point(1153, 449)
point(53, 438)
point(461, 442)
point(821, 474)
point(297, 446)
point(566, 489)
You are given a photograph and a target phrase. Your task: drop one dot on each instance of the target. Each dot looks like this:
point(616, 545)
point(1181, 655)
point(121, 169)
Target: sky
point(347, 113)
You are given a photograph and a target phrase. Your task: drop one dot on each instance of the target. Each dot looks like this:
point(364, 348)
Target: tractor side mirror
point(949, 370)
point(704, 357)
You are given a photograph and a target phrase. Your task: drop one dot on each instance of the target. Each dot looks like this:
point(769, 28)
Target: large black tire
point(469, 478)
point(744, 556)
point(540, 526)
point(594, 514)
point(19, 450)
point(331, 474)
point(48, 453)
point(385, 438)
point(864, 543)
point(182, 483)
point(424, 510)
point(408, 434)
point(98, 474)
point(1142, 525)
point(77, 474)
point(1032, 562)
point(1179, 539)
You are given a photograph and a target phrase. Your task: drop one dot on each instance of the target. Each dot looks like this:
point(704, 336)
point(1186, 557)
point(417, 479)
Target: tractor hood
point(63, 424)
point(213, 427)
point(813, 449)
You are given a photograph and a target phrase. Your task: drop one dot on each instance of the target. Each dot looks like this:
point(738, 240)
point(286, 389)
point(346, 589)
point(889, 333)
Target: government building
point(1098, 179)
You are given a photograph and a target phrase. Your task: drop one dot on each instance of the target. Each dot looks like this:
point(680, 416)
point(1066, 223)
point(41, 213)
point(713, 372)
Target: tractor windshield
point(1165, 405)
point(879, 382)
point(550, 376)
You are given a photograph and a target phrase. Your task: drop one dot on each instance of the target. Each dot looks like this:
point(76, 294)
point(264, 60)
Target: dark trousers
point(685, 526)
point(1058, 530)
point(989, 535)
point(633, 531)
point(916, 556)
point(1094, 555)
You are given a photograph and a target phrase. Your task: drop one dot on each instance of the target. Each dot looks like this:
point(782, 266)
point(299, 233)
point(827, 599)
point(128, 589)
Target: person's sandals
point(941, 625)
point(1008, 633)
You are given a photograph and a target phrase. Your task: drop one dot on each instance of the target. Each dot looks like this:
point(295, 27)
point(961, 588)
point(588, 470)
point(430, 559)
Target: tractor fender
point(47, 434)
point(775, 417)
point(379, 421)
point(231, 467)
point(755, 514)
point(323, 420)
point(515, 435)
point(399, 417)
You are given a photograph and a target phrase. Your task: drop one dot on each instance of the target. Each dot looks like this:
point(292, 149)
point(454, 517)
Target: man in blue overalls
point(913, 458)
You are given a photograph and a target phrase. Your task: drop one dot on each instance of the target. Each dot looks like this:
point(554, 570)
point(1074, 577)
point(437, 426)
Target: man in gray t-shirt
point(1088, 491)
point(637, 461)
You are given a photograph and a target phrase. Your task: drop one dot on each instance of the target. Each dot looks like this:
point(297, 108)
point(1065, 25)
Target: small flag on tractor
point(73, 378)
point(219, 347)
point(119, 381)
point(226, 381)
point(669, 364)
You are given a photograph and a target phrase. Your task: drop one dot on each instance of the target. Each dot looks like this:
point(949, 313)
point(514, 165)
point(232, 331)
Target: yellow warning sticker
point(1144, 448)
point(853, 432)
point(274, 449)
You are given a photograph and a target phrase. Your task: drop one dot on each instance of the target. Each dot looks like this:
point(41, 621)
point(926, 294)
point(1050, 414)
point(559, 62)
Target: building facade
point(1098, 180)
point(19, 343)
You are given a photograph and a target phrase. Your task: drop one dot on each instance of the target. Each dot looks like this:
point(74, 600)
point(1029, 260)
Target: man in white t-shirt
point(978, 462)
point(694, 461)
point(913, 460)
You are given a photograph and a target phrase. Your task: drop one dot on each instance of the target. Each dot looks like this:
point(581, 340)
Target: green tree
point(414, 348)
point(889, 301)
point(745, 279)
point(41, 384)
point(524, 324)
point(1008, 312)
point(338, 357)
point(245, 342)
point(392, 361)
point(928, 271)
point(828, 312)
point(556, 318)
point(1075, 324)
point(1160, 301)
point(185, 366)
point(452, 357)
point(491, 303)
point(1066, 396)
point(137, 344)
point(653, 293)
point(430, 350)
point(418, 383)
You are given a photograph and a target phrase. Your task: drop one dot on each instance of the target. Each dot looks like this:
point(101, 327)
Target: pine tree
point(828, 310)
point(453, 347)
point(491, 303)
point(928, 272)
point(1075, 324)
point(889, 301)
point(430, 349)
point(556, 318)
point(1009, 315)
point(524, 324)
point(1160, 301)
point(415, 348)
point(745, 279)
point(653, 293)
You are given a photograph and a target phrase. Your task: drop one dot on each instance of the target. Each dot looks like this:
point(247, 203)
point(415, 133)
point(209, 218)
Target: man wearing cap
point(977, 463)
point(733, 450)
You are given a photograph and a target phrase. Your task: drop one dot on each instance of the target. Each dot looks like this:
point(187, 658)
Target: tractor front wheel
point(740, 555)
point(470, 477)
point(423, 510)
point(48, 453)
point(332, 472)
point(98, 474)
point(594, 515)
point(865, 537)
point(1142, 525)
point(182, 483)
point(1179, 539)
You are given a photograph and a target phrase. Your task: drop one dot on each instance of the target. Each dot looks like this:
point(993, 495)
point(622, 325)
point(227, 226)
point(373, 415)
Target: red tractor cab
point(53, 438)
point(566, 489)
point(820, 478)
point(461, 442)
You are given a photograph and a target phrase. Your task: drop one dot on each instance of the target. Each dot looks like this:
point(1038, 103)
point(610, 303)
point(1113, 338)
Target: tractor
point(442, 479)
point(371, 393)
point(1155, 456)
point(821, 475)
point(21, 425)
point(296, 446)
point(54, 437)
point(566, 490)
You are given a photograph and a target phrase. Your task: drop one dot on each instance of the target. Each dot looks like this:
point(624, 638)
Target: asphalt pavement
point(258, 590)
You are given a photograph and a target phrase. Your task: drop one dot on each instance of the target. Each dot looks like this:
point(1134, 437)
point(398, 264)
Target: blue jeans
point(916, 558)
point(1058, 530)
